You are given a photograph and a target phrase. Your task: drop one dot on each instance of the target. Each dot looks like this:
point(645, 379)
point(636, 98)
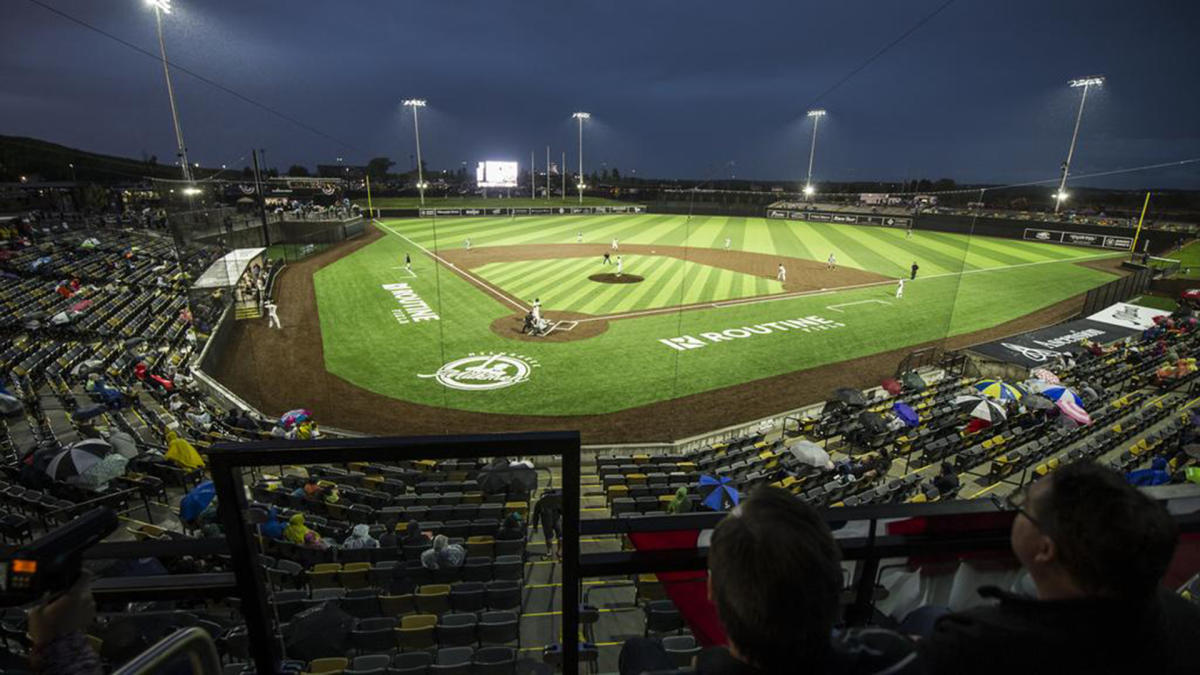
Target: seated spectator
point(946, 481)
point(360, 537)
point(680, 503)
point(298, 533)
point(181, 452)
point(388, 539)
point(199, 417)
point(1096, 549)
point(513, 527)
point(775, 579)
point(272, 528)
point(413, 536)
point(332, 496)
point(311, 488)
point(443, 555)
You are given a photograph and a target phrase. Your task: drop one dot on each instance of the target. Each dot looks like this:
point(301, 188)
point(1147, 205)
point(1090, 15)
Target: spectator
point(311, 488)
point(413, 536)
point(548, 512)
point(443, 555)
point(298, 533)
point(360, 537)
point(272, 528)
point(946, 481)
point(182, 453)
point(388, 539)
point(680, 503)
point(1096, 550)
point(513, 528)
point(775, 579)
point(56, 631)
point(199, 418)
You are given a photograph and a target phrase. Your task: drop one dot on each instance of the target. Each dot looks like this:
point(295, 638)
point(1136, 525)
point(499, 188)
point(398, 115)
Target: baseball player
point(620, 265)
point(536, 310)
point(908, 231)
point(900, 288)
point(727, 243)
point(915, 267)
point(272, 315)
point(607, 259)
point(781, 275)
point(467, 244)
point(831, 263)
point(578, 237)
point(614, 244)
point(408, 262)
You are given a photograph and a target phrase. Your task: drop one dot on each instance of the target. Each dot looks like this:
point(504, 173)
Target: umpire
point(915, 267)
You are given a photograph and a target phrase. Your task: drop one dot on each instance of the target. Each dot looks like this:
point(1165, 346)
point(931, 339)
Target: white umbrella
point(123, 444)
point(981, 408)
point(807, 452)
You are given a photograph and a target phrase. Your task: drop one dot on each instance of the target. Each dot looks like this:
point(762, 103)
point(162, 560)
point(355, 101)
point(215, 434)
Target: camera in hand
point(54, 562)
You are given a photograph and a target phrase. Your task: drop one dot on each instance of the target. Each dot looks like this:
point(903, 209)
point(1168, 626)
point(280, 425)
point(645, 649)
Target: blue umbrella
point(721, 490)
point(906, 414)
point(194, 502)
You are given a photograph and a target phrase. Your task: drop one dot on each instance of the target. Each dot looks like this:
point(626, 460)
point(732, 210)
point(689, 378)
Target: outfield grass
point(564, 284)
point(628, 365)
point(480, 202)
point(1189, 259)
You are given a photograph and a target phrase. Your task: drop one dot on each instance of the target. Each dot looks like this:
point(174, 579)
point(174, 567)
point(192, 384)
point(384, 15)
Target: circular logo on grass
point(481, 372)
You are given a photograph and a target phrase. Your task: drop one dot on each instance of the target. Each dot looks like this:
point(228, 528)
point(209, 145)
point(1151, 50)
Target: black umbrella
point(499, 477)
point(912, 381)
point(318, 632)
point(851, 397)
point(873, 423)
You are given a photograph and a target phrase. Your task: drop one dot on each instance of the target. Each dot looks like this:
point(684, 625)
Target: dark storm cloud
point(677, 88)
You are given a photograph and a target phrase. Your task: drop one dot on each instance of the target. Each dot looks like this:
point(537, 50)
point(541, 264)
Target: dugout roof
point(225, 272)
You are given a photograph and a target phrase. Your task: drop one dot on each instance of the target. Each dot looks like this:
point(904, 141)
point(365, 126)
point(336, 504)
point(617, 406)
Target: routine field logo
point(483, 372)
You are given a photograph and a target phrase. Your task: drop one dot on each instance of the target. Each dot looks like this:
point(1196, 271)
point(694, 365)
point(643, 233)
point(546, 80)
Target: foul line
point(856, 302)
point(823, 291)
point(447, 263)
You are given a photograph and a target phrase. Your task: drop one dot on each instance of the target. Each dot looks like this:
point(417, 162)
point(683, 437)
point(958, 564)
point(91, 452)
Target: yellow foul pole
point(1133, 249)
point(371, 211)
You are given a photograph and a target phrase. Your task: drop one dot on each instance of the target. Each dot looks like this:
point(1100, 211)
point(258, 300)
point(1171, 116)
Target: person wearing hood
point(273, 527)
point(680, 503)
point(300, 534)
point(443, 555)
point(513, 528)
point(181, 452)
point(413, 536)
point(1157, 474)
point(360, 537)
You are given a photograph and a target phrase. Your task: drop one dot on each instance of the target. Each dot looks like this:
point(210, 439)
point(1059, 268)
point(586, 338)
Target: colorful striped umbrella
point(1069, 403)
point(981, 408)
point(1044, 375)
point(999, 390)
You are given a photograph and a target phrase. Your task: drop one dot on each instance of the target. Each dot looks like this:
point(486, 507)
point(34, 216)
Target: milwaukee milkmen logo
point(412, 308)
point(482, 372)
point(808, 324)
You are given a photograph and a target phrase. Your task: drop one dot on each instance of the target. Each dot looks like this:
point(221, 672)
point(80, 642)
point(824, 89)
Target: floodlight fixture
point(162, 5)
point(582, 116)
point(1060, 196)
point(816, 113)
point(192, 190)
point(816, 116)
point(415, 102)
point(1094, 81)
point(809, 190)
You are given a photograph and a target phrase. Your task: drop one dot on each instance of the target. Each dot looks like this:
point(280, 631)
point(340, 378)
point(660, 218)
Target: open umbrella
point(980, 408)
point(98, 476)
point(9, 404)
point(717, 493)
point(891, 385)
point(851, 397)
point(96, 446)
point(1044, 375)
point(70, 463)
point(81, 305)
point(1037, 403)
point(194, 502)
point(912, 381)
point(807, 452)
point(999, 390)
point(296, 416)
point(905, 413)
point(872, 422)
point(1069, 403)
point(503, 477)
point(123, 444)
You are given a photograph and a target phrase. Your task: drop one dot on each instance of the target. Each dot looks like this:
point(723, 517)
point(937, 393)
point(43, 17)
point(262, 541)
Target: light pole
point(164, 7)
point(816, 116)
point(1086, 83)
point(581, 116)
point(416, 103)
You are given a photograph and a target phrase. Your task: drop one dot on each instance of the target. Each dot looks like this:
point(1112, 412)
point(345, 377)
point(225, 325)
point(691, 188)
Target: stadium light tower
point(415, 104)
point(816, 116)
point(1086, 83)
point(164, 7)
point(581, 116)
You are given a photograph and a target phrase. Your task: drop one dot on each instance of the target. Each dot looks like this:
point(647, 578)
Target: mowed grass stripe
point(655, 274)
point(1011, 255)
point(583, 293)
point(785, 240)
point(849, 238)
point(709, 291)
point(548, 230)
point(933, 260)
point(533, 274)
point(733, 229)
point(997, 256)
point(693, 283)
point(611, 294)
point(946, 254)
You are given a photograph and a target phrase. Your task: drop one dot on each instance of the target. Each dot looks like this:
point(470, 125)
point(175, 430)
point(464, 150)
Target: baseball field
point(699, 306)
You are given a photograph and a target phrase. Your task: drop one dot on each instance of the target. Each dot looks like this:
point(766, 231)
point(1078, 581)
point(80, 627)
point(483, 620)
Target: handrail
point(193, 643)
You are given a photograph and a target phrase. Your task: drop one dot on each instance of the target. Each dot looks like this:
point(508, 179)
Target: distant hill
point(21, 156)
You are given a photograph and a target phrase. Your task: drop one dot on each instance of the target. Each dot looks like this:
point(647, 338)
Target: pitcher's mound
point(614, 279)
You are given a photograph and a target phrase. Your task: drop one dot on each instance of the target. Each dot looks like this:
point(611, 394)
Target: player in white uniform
point(467, 244)
point(727, 243)
point(781, 275)
point(614, 244)
point(272, 315)
point(831, 264)
point(578, 237)
point(536, 310)
point(620, 265)
point(900, 289)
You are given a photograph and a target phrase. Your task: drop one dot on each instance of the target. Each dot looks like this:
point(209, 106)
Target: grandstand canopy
point(225, 272)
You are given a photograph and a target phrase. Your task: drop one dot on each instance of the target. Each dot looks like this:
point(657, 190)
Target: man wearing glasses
point(1096, 550)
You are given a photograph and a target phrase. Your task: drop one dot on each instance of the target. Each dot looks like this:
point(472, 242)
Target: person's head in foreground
point(1084, 531)
point(775, 579)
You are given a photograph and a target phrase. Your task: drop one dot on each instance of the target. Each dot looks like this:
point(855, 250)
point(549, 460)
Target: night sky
point(677, 89)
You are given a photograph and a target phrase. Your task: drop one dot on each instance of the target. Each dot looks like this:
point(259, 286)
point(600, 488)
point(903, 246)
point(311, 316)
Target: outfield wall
point(493, 211)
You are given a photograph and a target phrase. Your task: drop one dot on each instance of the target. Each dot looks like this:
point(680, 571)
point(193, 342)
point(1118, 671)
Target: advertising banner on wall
point(846, 218)
point(536, 210)
point(1041, 347)
point(1079, 239)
